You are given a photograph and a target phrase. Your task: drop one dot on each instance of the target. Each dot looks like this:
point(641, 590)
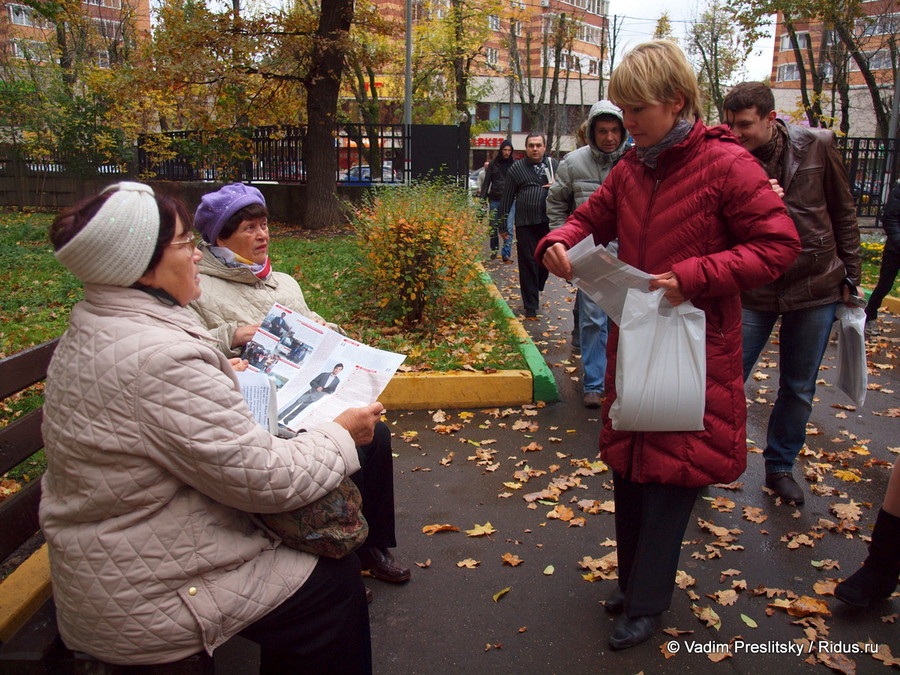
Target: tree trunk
point(322, 87)
point(881, 114)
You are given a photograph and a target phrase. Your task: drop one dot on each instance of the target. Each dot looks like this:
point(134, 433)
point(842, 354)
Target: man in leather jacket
point(805, 164)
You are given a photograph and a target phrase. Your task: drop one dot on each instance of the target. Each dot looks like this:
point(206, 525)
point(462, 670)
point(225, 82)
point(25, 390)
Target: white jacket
point(154, 465)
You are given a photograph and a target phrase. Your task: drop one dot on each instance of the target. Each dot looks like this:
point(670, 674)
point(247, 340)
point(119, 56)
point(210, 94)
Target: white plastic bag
point(661, 365)
point(852, 372)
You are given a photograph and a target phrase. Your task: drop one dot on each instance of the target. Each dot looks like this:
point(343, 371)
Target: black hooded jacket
point(495, 175)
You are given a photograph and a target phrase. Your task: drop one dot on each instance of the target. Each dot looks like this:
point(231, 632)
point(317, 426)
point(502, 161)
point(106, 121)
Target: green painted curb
point(543, 381)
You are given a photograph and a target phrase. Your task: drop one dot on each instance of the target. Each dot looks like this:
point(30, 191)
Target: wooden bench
point(29, 640)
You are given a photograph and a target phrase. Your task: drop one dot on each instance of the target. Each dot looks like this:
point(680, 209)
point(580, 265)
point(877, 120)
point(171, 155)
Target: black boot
point(877, 578)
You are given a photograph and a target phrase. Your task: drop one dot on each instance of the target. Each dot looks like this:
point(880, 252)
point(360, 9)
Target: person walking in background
point(890, 259)
point(691, 207)
point(527, 184)
point(580, 173)
point(808, 168)
point(492, 190)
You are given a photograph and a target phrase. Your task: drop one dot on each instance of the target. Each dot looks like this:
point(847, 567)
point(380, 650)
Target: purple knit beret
point(217, 207)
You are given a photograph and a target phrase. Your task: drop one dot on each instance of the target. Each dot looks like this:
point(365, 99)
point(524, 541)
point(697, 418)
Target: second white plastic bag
point(661, 365)
point(852, 370)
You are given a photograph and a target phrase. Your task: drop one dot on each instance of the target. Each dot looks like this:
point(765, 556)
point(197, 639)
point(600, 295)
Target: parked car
point(362, 174)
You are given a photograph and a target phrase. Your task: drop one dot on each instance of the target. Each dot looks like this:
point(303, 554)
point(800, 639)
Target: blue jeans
point(499, 228)
point(802, 338)
point(592, 326)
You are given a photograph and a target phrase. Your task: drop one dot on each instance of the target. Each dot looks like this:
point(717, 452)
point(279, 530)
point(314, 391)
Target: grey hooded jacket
point(583, 170)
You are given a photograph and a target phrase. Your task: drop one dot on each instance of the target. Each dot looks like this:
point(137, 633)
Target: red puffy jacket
point(708, 214)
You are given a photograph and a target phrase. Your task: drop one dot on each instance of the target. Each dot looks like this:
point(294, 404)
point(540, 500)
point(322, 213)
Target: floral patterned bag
point(331, 526)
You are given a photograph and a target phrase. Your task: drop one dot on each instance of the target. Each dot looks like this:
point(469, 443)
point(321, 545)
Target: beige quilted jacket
point(154, 464)
point(233, 297)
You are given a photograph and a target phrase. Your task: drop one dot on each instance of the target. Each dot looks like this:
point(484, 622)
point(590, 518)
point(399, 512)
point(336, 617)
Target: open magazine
point(314, 372)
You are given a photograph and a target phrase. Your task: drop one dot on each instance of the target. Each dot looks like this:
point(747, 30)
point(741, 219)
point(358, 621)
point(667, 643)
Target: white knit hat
point(116, 245)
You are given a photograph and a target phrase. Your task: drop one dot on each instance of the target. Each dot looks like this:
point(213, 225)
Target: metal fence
point(365, 154)
point(872, 165)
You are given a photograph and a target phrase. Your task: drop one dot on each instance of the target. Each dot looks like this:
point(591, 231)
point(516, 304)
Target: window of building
point(492, 55)
point(103, 59)
point(802, 41)
point(115, 4)
point(588, 33)
point(884, 24)
point(598, 7)
point(22, 15)
point(499, 114)
point(493, 22)
point(32, 50)
point(879, 60)
point(788, 72)
point(109, 30)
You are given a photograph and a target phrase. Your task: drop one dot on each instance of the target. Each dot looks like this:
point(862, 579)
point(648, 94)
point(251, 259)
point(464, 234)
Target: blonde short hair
point(655, 72)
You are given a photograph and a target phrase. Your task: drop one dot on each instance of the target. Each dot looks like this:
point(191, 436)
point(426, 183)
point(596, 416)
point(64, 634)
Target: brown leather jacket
point(818, 199)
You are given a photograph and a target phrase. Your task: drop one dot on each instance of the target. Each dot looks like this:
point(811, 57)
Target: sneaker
point(872, 329)
point(493, 255)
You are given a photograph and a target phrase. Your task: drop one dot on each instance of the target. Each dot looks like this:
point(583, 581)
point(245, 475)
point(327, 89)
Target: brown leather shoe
point(782, 483)
point(382, 565)
point(593, 399)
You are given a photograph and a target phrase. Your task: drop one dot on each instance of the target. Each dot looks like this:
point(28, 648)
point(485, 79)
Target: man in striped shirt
point(527, 184)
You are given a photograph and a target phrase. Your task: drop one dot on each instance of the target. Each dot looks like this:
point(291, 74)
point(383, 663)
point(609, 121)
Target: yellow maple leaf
point(468, 563)
point(481, 530)
point(846, 475)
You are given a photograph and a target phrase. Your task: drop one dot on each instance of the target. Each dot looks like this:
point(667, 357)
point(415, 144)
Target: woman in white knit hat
point(155, 465)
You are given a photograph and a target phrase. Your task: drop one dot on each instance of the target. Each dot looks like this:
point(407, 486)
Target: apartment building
point(875, 33)
point(98, 33)
point(518, 63)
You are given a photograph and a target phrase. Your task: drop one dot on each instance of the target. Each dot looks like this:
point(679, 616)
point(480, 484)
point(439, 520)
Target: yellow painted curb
point(457, 389)
point(23, 592)
point(892, 304)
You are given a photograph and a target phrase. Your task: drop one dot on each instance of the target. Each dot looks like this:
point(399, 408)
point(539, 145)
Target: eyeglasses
point(189, 243)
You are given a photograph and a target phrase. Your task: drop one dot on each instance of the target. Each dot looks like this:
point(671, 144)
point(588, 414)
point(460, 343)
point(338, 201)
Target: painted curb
point(544, 381)
point(465, 389)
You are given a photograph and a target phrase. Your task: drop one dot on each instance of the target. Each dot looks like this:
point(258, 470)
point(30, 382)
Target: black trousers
point(532, 276)
point(375, 481)
point(890, 265)
point(323, 629)
point(650, 522)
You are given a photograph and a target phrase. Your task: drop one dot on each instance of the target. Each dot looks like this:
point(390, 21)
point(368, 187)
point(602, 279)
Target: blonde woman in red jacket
point(689, 205)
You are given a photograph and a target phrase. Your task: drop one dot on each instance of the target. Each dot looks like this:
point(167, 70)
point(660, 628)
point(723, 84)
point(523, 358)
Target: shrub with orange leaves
point(420, 244)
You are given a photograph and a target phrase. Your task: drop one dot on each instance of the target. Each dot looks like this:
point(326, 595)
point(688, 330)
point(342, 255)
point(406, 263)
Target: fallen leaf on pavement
point(501, 593)
point(511, 559)
point(754, 514)
point(481, 530)
point(469, 563)
point(433, 529)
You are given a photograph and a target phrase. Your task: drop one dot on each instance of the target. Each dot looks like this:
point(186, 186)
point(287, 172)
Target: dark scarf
point(650, 156)
point(771, 153)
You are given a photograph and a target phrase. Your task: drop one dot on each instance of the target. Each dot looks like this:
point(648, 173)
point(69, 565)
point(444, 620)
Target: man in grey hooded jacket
point(579, 175)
